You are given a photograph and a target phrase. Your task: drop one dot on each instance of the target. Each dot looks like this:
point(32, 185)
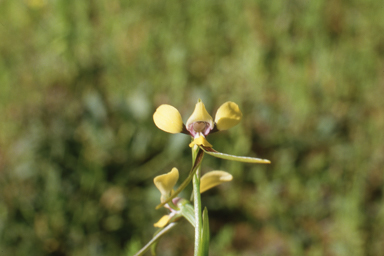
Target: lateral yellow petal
point(162, 222)
point(166, 182)
point(168, 119)
point(212, 179)
point(200, 114)
point(200, 141)
point(227, 116)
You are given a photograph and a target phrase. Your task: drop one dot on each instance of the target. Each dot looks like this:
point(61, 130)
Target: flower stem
point(197, 203)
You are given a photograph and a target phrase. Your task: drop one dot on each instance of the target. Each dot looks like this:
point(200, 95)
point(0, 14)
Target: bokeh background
point(80, 80)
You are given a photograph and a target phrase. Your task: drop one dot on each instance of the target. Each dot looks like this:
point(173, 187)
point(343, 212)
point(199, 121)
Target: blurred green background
point(80, 80)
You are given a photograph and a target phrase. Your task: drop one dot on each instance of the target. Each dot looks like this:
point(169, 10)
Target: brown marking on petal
point(208, 149)
point(185, 131)
point(199, 126)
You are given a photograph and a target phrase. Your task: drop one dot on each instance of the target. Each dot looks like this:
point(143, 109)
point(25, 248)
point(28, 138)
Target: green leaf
point(205, 234)
point(154, 247)
point(185, 183)
point(155, 238)
point(245, 159)
point(188, 212)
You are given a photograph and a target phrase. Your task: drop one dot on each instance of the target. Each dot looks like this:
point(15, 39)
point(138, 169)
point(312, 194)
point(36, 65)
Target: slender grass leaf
point(205, 234)
point(155, 238)
point(245, 159)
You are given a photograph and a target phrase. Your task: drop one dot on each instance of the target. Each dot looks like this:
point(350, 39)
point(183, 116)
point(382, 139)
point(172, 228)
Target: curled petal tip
point(166, 182)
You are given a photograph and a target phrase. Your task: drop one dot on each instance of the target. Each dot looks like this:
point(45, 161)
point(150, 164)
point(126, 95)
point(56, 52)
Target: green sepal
point(155, 238)
point(245, 159)
point(205, 234)
point(188, 212)
point(185, 183)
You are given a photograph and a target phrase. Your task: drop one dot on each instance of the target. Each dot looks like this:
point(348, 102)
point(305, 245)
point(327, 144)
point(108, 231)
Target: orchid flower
point(166, 182)
point(200, 124)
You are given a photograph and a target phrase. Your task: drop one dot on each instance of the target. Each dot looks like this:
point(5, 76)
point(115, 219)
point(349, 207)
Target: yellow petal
point(227, 116)
point(168, 119)
point(162, 222)
point(200, 141)
point(212, 179)
point(200, 114)
point(166, 182)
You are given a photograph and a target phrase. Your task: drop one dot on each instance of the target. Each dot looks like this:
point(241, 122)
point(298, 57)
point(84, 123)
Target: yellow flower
point(200, 123)
point(166, 182)
point(212, 179)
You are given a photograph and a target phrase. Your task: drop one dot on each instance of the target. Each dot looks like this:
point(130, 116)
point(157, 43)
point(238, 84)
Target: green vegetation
point(80, 80)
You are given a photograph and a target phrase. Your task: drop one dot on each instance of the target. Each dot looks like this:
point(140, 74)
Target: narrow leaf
point(245, 159)
point(185, 183)
point(154, 247)
point(155, 238)
point(205, 234)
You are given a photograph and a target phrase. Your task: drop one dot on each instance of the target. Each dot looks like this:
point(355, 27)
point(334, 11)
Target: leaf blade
point(205, 234)
point(155, 238)
point(245, 159)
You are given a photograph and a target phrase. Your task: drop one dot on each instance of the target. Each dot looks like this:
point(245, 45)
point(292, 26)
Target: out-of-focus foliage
point(79, 81)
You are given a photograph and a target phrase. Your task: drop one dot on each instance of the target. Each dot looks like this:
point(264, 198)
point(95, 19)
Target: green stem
point(197, 203)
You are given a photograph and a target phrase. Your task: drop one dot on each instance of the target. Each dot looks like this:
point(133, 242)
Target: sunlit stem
point(197, 202)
